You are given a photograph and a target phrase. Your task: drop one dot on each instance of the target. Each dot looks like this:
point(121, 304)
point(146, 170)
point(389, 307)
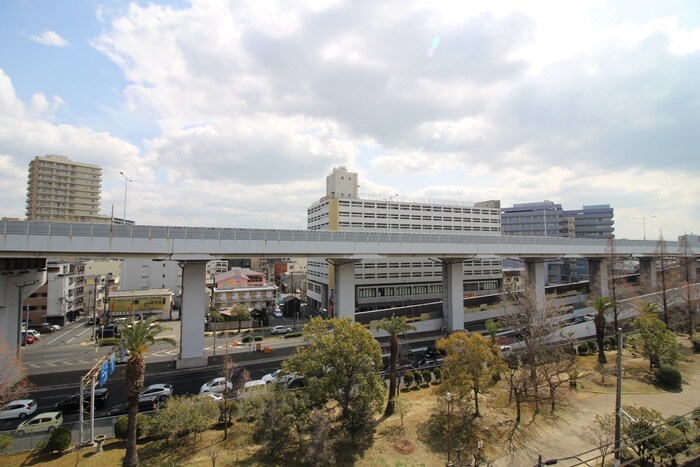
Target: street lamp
point(126, 180)
point(644, 224)
point(448, 397)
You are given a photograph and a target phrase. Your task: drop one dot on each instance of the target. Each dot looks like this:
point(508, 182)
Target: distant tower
point(63, 191)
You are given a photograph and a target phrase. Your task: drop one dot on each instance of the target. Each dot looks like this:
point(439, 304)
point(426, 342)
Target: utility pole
point(618, 397)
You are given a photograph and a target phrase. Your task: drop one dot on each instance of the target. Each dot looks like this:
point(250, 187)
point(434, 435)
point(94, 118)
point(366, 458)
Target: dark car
point(111, 330)
point(145, 405)
point(72, 403)
point(43, 328)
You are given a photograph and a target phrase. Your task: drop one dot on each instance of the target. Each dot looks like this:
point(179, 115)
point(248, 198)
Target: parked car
point(272, 377)
point(27, 339)
point(296, 382)
point(34, 333)
point(159, 391)
point(216, 385)
point(252, 387)
point(278, 313)
point(42, 423)
point(21, 409)
point(215, 397)
point(146, 404)
point(280, 330)
point(56, 327)
point(72, 403)
point(46, 328)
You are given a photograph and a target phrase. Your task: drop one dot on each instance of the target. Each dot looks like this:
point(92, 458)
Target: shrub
point(610, 343)
point(59, 440)
point(592, 346)
point(108, 342)
point(438, 373)
point(696, 416)
point(292, 334)
point(680, 423)
point(408, 379)
point(5, 442)
point(668, 375)
point(258, 338)
point(142, 426)
point(246, 339)
point(418, 376)
point(696, 343)
point(583, 348)
point(569, 350)
point(120, 427)
point(427, 376)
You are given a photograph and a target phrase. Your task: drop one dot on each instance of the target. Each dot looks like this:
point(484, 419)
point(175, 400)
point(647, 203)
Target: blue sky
point(232, 113)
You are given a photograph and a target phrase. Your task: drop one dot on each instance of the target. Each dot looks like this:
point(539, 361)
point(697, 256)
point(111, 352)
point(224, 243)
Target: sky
point(231, 114)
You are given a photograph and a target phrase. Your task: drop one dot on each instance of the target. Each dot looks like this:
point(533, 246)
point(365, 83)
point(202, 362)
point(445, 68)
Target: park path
point(564, 436)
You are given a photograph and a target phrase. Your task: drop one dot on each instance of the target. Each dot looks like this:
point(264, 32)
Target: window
point(403, 290)
point(367, 292)
point(420, 289)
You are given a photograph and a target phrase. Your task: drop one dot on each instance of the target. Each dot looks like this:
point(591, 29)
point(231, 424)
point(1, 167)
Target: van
point(252, 387)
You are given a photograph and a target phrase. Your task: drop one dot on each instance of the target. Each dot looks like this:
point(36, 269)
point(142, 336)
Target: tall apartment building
point(61, 190)
point(548, 219)
point(389, 282)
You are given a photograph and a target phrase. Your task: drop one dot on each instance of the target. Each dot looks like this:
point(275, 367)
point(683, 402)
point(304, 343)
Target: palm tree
point(137, 340)
point(600, 304)
point(394, 326)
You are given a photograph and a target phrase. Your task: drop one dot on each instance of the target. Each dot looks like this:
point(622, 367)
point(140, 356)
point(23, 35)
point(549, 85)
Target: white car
point(42, 423)
point(215, 397)
point(280, 330)
point(216, 385)
point(158, 391)
point(278, 313)
point(276, 377)
point(56, 327)
point(18, 409)
point(34, 333)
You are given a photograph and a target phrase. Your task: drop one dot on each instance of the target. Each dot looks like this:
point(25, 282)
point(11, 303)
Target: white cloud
point(254, 102)
point(50, 38)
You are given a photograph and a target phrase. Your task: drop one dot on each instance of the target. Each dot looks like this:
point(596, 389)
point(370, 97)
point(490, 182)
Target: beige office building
point(61, 190)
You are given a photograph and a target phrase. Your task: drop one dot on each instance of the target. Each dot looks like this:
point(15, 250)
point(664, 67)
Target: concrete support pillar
point(344, 288)
point(537, 278)
point(194, 308)
point(693, 270)
point(598, 276)
point(453, 294)
point(11, 285)
point(647, 271)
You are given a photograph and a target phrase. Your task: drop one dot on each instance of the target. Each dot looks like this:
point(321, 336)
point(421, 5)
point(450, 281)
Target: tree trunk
point(551, 394)
point(135, 369)
point(394, 355)
point(599, 322)
point(476, 401)
point(517, 409)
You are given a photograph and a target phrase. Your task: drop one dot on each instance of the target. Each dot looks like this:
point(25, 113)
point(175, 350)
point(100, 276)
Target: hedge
point(292, 334)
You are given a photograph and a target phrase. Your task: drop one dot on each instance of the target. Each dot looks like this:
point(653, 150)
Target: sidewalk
point(565, 437)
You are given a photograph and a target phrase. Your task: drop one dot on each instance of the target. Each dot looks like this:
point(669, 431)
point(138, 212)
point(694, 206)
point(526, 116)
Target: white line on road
point(84, 331)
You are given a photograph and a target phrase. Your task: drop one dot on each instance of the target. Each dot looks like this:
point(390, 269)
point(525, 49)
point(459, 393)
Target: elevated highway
point(194, 246)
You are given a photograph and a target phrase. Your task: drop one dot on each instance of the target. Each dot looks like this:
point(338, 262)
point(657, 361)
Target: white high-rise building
point(59, 189)
point(387, 282)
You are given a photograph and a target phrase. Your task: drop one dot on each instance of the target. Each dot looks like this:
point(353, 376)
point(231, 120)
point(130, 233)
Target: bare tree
point(602, 434)
point(536, 325)
point(13, 377)
point(238, 376)
point(554, 371)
